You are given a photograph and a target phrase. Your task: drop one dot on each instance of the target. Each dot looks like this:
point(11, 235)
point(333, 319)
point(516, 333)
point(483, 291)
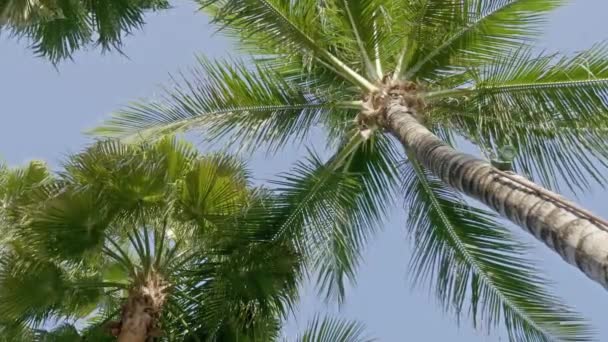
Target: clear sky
point(44, 111)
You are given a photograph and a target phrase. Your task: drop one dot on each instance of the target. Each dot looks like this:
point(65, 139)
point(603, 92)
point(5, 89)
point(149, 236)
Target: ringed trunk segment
point(575, 234)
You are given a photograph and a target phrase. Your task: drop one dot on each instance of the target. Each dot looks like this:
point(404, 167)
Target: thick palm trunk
point(570, 231)
point(142, 309)
point(135, 320)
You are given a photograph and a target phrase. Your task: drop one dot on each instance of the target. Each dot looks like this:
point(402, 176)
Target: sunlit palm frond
point(212, 191)
point(130, 173)
point(555, 86)
point(252, 289)
point(466, 256)
point(16, 185)
point(275, 24)
point(372, 30)
point(330, 329)
point(68, 225)
point(251, 107)
point(475, 31)
point(271, 27)
point(16, 12)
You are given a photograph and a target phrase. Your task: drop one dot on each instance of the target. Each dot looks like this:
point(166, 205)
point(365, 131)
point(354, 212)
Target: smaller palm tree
point(140, 242)
point(56, 29)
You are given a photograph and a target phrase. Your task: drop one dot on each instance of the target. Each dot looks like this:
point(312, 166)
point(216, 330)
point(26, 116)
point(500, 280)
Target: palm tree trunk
point(142, 309)
point(135, 320)
point(573, 233)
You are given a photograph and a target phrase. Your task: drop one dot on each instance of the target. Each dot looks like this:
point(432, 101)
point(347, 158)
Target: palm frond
point(333, 208)
point(251, 288)
point(31, 290)
point(57, 29)
point(253, 108)
point(68, 225)
point(211, 192)
point(465, 255)
point(553, 110)
point(475, 31)
point(16, 186)
point(372, 28)
point(563, 87)
point(15, 331)
point(65, 332)
point(362, 30)
point(329, 329)
point(269, 27)
point(15, 183)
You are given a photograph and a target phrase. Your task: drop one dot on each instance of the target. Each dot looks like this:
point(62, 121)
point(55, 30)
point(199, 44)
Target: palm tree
point(427, 74)
point(56, 29)
point(141, 241)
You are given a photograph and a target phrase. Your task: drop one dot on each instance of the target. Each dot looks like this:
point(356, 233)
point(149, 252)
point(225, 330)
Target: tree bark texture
point(142, 310)
point(576, 236)
point(135, 320)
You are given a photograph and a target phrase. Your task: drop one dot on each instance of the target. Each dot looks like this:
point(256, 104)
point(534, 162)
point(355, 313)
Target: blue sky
point(45, 110)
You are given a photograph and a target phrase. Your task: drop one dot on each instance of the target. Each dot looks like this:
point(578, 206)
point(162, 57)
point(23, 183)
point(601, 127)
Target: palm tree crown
point(466, 69)
point(56, 29)
point(155, 231)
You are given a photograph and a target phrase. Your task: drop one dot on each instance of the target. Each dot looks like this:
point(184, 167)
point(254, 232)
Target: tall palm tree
point(56, 29)
point(427, 74)
point(141, 241)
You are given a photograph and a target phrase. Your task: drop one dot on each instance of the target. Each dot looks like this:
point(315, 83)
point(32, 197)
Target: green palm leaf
point(558, 87)
point(328, 329)
point(15, 186)
point(35, 290)
point(15, 183)
point(272, 27)
point(57, 29)
point(64, 332)
point(375, 29)
point(333, 208)
point(552, 110)
point(15, 331)
point(476, 30)
point(252, 107)
point(465, 255)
